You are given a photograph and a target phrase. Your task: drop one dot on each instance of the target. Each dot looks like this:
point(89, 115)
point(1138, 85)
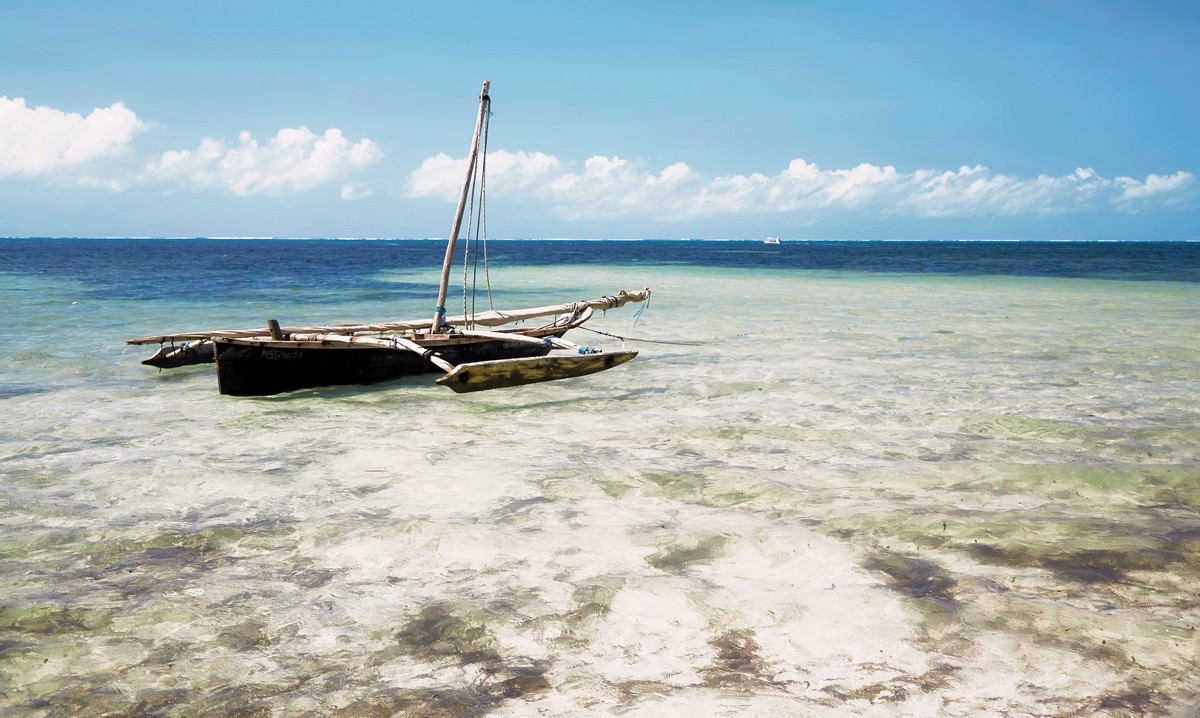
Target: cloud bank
point(68, 148)
point(607, 186)
point(294, 160)
point(47, 143)
point(38, 141)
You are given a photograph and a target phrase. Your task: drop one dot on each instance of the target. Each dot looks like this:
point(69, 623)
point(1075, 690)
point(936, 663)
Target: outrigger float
point(475, 350)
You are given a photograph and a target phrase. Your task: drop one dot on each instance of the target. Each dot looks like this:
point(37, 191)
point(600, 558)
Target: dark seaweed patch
point(87, 697)
point(893, 692)
point(518, 681)
point(1085, 566)
point(442, 632)
point(677, 558)
point(593, 601)
point(684, 486)
point(519, 506)
point(173, 548)
point(1104, 652)
point(915, 578)
point(936, 678)
point(242, 701)
point(579, 625)
point(312, 578)
point(737, 664)
point(438, 633)
point(896, 690)
point(50, 620)
point(14, 390)
point(1182, 536)
point(12, 649)
point(96, 695)
point(472, 701)
point(156, 702)
point(631, 691)
point(244, 636)
point(1142, 701)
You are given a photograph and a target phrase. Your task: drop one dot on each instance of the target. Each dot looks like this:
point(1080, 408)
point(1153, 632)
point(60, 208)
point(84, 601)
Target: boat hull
point(497, 374)
point(255, 369)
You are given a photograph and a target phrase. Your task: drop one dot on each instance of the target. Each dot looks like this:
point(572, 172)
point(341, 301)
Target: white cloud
point(96, 151)
point(63, 146)
point(356, 190)
point(42, 140)
point(976, 191)
point(441, 176)
point(294, 160)
point(1171, 189)
point(673, 175)
point(436, 177)
point(607, 186)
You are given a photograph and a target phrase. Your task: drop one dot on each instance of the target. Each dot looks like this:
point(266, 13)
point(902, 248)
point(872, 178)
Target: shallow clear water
point(864, 493)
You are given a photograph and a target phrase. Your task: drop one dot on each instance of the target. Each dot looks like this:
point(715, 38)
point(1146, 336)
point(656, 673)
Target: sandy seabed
point(834, 494)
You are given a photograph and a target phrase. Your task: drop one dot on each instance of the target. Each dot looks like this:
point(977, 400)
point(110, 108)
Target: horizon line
point(599, 239)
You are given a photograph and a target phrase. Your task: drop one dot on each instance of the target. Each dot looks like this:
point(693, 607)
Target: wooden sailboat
point(477, 351)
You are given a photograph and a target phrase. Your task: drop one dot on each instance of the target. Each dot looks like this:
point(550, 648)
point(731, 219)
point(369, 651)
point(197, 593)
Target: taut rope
point(477, 220)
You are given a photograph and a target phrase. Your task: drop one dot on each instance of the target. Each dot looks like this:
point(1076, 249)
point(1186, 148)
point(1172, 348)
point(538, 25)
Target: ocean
point(841, 478)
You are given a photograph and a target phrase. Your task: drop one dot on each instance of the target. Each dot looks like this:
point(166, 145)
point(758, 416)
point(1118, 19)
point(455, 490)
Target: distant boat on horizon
point(771, 240)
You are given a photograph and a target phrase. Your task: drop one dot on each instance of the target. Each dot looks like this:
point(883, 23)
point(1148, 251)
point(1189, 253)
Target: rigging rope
point(483, 210)
point(479, 179)
point(467, 246)
point(638, 314)
point(636, 339)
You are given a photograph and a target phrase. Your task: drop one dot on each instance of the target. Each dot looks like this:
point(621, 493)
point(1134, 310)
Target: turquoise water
point(842, 492)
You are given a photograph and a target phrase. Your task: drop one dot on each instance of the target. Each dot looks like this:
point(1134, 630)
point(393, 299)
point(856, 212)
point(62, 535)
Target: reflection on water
point(866, 495)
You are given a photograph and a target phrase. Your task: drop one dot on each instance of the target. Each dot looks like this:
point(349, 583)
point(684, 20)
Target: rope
point(479, 180)
point(646, 341)
point(478, 228)
point(467, 246)
point(638, 314)
point(483, 208)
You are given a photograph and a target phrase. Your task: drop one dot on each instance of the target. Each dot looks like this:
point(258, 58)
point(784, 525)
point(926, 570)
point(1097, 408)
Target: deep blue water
point(148, 268)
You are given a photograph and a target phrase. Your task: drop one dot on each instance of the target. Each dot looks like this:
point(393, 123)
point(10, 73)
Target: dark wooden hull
point(247, 369)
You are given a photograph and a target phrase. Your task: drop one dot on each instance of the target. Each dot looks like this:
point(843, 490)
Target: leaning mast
point(440, 310)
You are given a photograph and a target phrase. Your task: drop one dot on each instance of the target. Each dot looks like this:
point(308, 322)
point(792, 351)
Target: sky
point(964, 119)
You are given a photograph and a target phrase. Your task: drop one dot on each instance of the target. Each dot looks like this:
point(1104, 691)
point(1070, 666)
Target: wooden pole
point(440, 311)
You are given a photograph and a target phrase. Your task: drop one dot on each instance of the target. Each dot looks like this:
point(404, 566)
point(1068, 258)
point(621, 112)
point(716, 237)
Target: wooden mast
point(440, 310)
